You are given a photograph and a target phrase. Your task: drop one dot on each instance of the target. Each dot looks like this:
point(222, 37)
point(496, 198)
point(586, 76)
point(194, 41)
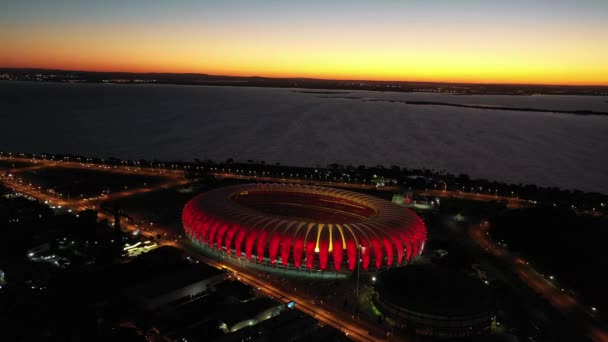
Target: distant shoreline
point(491, 107)
point(519, 109)
point(69, 76)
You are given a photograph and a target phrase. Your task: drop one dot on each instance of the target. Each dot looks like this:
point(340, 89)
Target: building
point(301, 227)
point(427, 300)
point(163, 277)
point(241, 315)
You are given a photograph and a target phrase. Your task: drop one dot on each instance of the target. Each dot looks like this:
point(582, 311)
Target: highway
point(562, 301)
point(357, 330)
point(565, 303)
point(230, 175)
point(127, 169)
point(512, 202)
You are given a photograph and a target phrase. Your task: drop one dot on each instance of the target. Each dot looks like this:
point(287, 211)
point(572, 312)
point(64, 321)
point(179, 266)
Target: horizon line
point(312, 78)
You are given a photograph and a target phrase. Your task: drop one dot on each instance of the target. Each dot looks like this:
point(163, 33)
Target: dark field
point(79, 183)
point(163, 207)
point(6, 164)
point(4, 191)
point(562, 244)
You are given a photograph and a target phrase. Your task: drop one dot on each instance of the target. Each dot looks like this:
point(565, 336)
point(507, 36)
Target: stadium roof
point(301, 225)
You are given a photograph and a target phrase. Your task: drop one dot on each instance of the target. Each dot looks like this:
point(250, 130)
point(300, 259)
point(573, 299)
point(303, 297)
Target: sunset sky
point(551, 42)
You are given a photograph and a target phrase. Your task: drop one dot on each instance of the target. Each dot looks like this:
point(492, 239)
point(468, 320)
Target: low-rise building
point(252, 312)
point(187, 281)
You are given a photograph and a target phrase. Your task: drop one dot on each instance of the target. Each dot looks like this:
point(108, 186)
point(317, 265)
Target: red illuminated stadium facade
point(304, 227)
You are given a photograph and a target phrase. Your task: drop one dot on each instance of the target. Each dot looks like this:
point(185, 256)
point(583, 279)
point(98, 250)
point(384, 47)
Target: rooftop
point(181, 277)
point(432, 290)
point(236, 313)
point(306, 206)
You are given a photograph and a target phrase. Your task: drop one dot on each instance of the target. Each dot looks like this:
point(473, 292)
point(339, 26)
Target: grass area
point(79, 183)
point(7, 164)
point(4, 191)
point(560, 243)
point(163, 207)
point(367, 307)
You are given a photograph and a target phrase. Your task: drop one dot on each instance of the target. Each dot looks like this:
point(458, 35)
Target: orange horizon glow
point(365, 68)
point(356, 75)
point(323, 76)
point(405, 42)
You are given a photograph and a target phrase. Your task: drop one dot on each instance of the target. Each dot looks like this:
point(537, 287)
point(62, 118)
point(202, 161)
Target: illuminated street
point(562, 301)
point(512, 202)
point(357, 330)
point(252, 171)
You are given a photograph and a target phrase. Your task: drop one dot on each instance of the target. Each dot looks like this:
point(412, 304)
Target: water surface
point(281, 125)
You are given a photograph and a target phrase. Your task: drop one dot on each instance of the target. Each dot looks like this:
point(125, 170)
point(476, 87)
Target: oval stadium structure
point(447, 303)
point(304, 227)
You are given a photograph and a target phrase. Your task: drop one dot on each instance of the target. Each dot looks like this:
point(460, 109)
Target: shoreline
point(460, 105)
point(454, 88)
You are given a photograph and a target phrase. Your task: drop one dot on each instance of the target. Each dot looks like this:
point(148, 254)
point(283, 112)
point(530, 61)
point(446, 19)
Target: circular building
point(432, 301)
point(304, 227)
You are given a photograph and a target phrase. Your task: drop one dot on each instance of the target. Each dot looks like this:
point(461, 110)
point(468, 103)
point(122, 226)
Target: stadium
point(301, 227)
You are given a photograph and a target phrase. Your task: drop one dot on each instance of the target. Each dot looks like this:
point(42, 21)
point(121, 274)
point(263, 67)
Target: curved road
point(354, 329)
point(562, 301)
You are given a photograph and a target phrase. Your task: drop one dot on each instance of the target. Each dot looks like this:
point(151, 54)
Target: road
point(229, 175)
point(357, 330)
point(126, 169)
point(512, 202)
point(335, 318)
point(565, 303)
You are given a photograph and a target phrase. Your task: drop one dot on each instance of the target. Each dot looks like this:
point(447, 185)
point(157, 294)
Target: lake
point(301, 127)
